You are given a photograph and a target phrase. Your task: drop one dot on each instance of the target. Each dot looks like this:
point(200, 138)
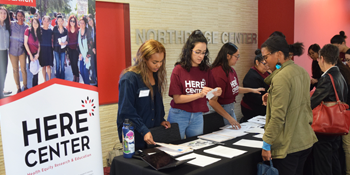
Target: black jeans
point(326, 156)
point(3, 71)
point(292, 164)
point(73, 57)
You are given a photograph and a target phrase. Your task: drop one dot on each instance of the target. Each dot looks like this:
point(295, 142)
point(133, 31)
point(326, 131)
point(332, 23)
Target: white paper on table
point(249, 143)
point(215, 137)
point(231, 132)
point(256, 131)
point(262, 117)
point(174, 150)
point(210, 94)
point(244, 125)
point(257, 120)
point(199, 160)
point(260, 136)
point(62, 40)
point(198, 144)
point(225, 151)
point(252, 125)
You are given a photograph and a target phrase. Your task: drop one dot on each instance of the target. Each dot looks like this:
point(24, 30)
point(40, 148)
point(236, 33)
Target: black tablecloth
point(245, 164)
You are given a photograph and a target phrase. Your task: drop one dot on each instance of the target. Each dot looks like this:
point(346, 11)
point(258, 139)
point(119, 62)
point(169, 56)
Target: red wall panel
point(113, 47)
point(275, 15)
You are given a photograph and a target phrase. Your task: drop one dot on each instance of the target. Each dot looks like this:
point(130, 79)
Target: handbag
point(331, 117)
point(264, 169)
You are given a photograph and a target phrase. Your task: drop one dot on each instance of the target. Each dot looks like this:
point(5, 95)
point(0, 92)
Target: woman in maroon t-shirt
point(73, 52)
point(226, 78)
point(190, 82)
point(32, 38)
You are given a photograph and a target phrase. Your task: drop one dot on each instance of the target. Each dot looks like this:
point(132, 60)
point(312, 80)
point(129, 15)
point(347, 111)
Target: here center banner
point(53, 128)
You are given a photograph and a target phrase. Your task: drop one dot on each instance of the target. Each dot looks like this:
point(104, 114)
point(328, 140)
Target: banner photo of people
point(54, 39)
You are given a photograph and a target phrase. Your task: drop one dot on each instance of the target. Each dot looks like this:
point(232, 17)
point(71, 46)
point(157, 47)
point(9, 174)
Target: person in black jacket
point(316, 71)
point(325, 151)
point(251, 104)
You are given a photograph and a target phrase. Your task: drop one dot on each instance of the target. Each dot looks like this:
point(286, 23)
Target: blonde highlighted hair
point(144, 53)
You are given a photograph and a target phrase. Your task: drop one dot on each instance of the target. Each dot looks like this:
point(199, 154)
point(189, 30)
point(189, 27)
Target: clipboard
point(161, 160)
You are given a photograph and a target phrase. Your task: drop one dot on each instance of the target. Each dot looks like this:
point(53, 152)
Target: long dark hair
point(93, 20)
point(185, 56)
point(338, 39)
point(221, 59)
point(7, 20)
point(38, 30)
point(315, 68)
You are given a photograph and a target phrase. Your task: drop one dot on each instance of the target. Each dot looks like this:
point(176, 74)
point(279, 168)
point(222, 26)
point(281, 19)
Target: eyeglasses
point(265, 56)
point(263, 62)
point(72, 21)
point(200, 53)
point(237, 56)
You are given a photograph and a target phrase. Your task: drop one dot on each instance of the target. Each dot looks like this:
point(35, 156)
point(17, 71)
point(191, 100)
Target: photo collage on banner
point(54, 39)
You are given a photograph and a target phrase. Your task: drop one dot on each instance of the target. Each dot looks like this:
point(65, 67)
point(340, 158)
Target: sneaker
point(7, 92)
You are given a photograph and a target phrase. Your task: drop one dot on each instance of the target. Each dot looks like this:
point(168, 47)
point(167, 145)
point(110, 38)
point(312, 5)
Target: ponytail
point(297, 48)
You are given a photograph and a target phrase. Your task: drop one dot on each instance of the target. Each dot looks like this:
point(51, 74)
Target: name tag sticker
point(144, 93)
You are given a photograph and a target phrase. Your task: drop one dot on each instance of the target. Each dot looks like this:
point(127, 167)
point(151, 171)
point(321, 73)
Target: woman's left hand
point(166, 124)
point(218, 92)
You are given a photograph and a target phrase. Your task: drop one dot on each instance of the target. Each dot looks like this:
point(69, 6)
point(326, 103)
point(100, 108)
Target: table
point(245, 164)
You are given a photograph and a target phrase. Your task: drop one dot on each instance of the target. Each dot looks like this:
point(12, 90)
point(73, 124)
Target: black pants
point(326, 156)
point(73, 57)
point(293, 164)
point(3, 71)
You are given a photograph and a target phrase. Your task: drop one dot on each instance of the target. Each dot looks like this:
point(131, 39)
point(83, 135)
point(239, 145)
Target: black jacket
point(324, 90)
point(254, 80)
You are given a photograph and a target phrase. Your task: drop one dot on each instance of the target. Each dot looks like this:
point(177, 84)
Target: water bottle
point(128, 139)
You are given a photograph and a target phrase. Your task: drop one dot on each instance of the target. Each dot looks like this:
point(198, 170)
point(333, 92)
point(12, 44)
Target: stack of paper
point(258, 119)
point(174, 150)
point(249, 143)
point(198, 144)
point(199, 160)
point(256, 130)
point(244, 126)
point(216, 137)
point(225, 151)
point(231, 132)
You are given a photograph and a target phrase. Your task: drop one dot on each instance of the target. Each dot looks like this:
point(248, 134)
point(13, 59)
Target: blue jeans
point(228, 108)
point(190, 124)
point(84, 72)
point(59, 57)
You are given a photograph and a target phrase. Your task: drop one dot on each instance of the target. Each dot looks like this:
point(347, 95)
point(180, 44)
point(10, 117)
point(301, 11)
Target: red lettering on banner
point(19, 2)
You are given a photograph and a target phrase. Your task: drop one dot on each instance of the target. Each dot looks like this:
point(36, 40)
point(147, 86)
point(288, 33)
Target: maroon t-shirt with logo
point(186, 83)
point(229, 85)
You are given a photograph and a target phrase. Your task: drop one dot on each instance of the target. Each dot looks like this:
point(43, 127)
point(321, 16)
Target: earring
point(278, 65)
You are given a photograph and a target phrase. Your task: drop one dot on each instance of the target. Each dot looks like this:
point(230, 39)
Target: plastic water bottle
point(128, 139)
